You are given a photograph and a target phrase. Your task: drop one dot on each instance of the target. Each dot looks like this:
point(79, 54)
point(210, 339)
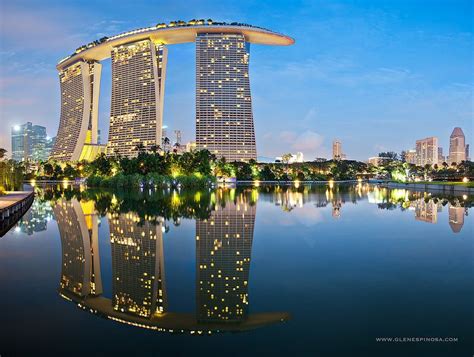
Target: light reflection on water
point(227, 223)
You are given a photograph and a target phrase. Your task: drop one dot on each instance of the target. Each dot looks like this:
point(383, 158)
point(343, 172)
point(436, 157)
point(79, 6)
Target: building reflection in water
point(426, 211)
point(137, 265)
point(78, 229)
point(223, 242)
point(456, 217)
point(36, 218)
point(223, 249)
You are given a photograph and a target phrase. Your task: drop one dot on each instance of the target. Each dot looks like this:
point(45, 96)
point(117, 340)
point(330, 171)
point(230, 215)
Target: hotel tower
point(78, 126)
point(136, 114)
point(224, 119)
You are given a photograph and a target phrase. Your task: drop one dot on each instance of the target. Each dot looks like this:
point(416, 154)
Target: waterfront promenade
point(12, 207)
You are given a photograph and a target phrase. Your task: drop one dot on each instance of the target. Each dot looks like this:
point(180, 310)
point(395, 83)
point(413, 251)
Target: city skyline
point(328, 88)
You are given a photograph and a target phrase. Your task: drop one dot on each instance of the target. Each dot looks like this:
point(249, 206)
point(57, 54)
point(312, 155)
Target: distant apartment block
point(337, 153)
point(427, 151)
point(410, 157)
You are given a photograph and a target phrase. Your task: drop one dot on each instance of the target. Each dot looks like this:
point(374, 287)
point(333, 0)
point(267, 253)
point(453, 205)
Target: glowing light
point(331, 184)
point(465, 180)
point(33, 182)
point(17, 229)
point(16, 128)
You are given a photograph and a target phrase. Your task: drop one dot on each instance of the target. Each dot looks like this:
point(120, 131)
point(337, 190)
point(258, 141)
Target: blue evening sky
point(375, 74)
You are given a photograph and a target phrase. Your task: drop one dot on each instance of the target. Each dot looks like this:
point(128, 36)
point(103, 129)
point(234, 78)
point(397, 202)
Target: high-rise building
point(80, 84)
point(427, 151)
point(441, 157)
point(224, 119)
point(223, 249)
point(337, 150)
point(457, 146)
point(29, 142)
point(138, 286)
point(136, 114)
point(410, 156)
point(468, 158)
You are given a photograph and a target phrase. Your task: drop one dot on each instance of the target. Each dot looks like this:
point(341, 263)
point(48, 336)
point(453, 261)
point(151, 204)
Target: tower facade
point(136, 114)
point(80, 85)
point(427, 151)
point(457, 146)
point(224, 119)
point(336, 150)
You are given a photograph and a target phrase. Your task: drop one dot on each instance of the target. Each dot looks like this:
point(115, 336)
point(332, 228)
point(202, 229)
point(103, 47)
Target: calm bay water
point(249, 271)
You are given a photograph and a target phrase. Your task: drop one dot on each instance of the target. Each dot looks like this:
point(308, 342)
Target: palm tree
point(2, 153)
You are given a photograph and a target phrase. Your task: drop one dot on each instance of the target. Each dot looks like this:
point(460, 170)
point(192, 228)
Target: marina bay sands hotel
point(224, 119)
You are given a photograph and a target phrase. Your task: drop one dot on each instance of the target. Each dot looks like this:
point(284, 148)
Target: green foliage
point(11, 174)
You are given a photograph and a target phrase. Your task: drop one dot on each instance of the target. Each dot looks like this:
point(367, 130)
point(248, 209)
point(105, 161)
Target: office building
point(457, 146)
point(29, 142)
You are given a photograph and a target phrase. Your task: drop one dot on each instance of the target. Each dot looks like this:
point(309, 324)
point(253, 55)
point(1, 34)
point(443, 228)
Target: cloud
point(309, 142)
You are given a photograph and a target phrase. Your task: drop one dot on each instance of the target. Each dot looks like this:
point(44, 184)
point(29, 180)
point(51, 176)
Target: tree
point(140, 148)
point(48, 169)
point(389, 155)
point(2, 153)
point(286, 158)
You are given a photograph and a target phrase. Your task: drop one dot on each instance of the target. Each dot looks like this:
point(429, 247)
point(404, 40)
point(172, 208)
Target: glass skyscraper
point(29, 142)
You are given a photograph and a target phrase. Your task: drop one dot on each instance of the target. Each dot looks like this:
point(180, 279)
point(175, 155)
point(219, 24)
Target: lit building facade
point(136, 114)
point(223, 249)
point(224, 119)
point(337, 150)
point(138, 284)
point(29, 142)
point(80, 85)
point(410, 157)
point(441, 157)
point(427, 151)
point(457, 146)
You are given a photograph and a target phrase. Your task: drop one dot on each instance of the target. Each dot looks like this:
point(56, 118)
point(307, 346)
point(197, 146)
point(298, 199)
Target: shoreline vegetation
point(201, 169)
